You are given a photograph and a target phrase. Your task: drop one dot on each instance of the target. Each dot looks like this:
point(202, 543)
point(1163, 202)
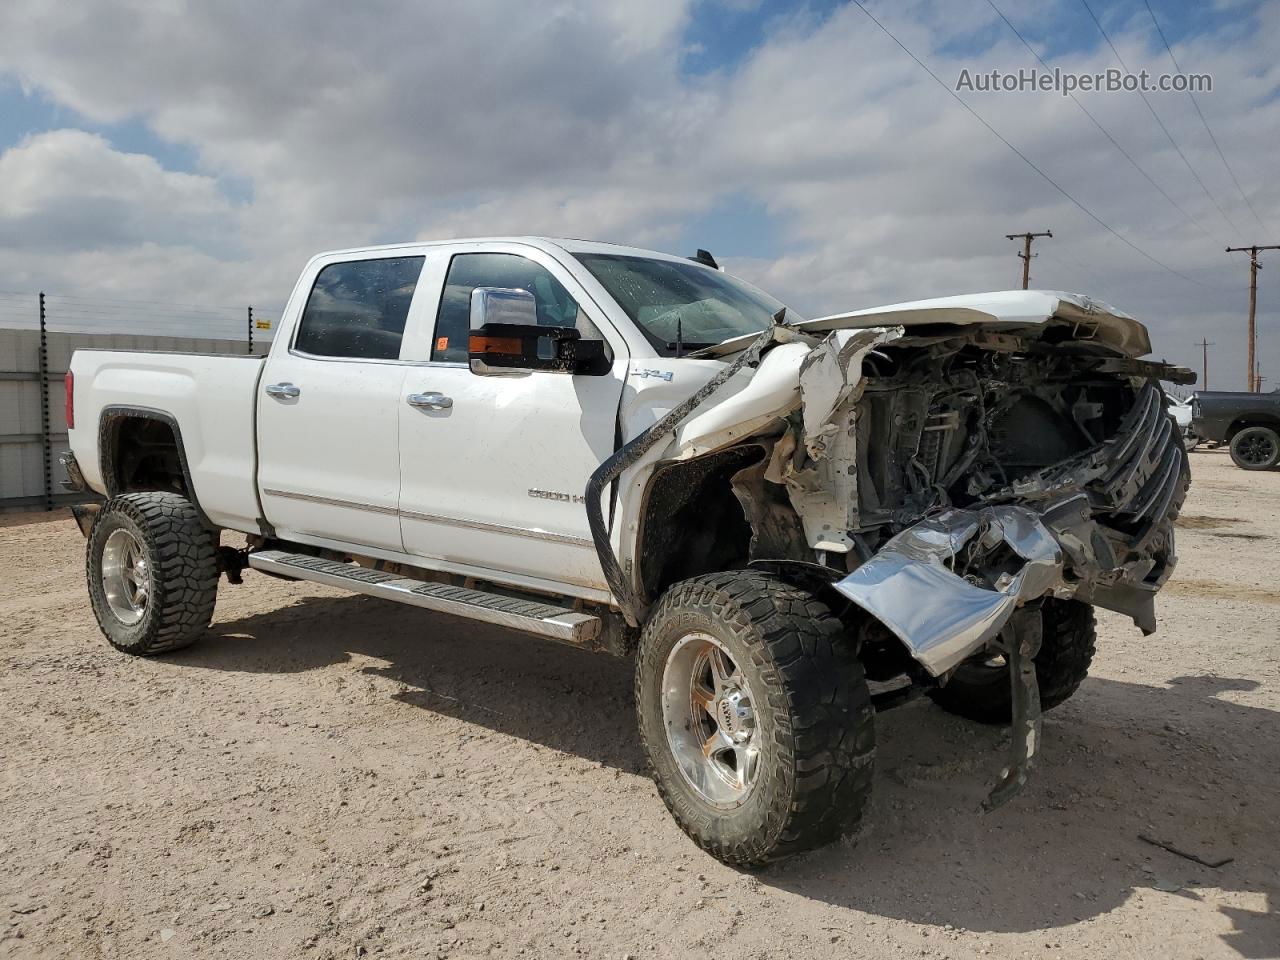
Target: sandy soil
point(333, 776)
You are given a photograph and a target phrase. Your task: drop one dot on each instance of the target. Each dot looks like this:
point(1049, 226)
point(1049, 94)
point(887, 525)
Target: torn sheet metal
point(748, 402)
point(825, 491)
point(831, 377)
point(1022, 640)
point(943, 618)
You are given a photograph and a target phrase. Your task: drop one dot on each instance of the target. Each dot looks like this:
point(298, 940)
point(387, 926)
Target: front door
point(328, 431)
point(493, 468)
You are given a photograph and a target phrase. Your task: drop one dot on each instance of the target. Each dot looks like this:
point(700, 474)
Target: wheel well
point(142, 453)
point(691, 522)
point(1244, 423)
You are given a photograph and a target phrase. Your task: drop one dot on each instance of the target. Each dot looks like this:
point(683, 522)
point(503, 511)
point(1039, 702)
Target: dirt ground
point(334, 776)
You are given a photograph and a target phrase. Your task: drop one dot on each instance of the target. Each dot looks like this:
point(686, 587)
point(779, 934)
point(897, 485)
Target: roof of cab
point(566, 244)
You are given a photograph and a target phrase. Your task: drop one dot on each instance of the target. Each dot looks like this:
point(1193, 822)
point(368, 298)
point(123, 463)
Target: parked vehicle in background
point(1249, 422)
point(787, 523)
point(1180, 410)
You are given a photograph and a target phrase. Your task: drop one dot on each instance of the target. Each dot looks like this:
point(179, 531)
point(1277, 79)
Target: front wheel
point(1256, 448)
point(979, 688)
point(152, 568)
point(755, 716)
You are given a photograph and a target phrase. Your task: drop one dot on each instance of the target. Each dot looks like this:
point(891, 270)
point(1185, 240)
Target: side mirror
point(507, 338)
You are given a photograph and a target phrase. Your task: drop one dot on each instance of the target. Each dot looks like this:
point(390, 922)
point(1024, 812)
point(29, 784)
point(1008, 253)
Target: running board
point(531, 616)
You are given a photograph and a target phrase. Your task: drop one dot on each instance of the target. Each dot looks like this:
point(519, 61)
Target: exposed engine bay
point(964, 474)
point(949, 478)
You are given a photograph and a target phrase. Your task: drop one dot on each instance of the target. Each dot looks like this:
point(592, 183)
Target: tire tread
point(184, 557)
point(823, 690)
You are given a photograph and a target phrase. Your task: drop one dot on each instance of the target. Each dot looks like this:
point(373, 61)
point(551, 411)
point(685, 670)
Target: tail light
point(69, 381)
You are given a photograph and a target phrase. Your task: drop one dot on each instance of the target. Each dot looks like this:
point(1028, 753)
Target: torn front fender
point(941, 617)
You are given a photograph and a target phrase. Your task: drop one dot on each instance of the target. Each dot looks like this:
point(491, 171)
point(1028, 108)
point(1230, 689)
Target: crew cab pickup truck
point(787, 523)
point(1248, 422)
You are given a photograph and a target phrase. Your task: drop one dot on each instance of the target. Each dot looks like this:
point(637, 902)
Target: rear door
point(493, 475)
point(329, 464)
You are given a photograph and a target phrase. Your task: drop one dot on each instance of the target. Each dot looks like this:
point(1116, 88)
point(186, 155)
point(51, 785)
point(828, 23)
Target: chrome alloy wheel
point(710, 720)
point(126, 579)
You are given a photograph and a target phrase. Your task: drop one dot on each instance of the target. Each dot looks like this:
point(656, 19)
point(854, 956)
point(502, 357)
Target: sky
point(199, 153)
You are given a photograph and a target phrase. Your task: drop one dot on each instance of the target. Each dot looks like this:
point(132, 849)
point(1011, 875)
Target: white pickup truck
point(787, 523)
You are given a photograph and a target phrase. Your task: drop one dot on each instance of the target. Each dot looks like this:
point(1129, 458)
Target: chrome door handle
point(283, 391)
point(430, 401)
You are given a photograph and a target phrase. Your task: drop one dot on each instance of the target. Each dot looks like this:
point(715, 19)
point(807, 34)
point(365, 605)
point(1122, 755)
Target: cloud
point(391, 120)
point(68, 190)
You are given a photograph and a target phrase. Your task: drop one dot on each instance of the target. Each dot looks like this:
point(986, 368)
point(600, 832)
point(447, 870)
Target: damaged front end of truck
point(947, 467)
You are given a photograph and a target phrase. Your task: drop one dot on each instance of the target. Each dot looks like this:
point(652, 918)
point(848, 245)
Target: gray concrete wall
point(22, 482)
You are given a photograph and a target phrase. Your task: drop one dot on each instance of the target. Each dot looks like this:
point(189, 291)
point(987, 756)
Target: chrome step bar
point(531, 616)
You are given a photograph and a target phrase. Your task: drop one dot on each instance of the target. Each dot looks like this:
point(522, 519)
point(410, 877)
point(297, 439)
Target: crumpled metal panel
point(825, 492)
point(941, 617)
point(831, 377)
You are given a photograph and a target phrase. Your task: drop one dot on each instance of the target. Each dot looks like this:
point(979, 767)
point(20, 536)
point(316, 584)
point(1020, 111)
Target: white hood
point(1004, 308)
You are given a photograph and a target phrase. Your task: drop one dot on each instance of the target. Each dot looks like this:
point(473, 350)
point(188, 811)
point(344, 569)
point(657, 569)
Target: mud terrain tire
point(169, 559)
point(1256, 448)
point(812, 715)
point(980, 692)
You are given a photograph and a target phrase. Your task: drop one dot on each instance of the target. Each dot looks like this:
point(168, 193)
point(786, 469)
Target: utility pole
point(1254, 267)
point(1025, 255)
point(1204, 346)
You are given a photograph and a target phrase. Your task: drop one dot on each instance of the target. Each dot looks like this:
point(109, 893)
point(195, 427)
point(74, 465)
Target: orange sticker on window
point(442, 343)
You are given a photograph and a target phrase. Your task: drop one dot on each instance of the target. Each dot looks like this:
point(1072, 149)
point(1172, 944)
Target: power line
point(1025, 159)
point(1125, 67)
point(1115, 143)
point(1196, 103)
point(1056, 256)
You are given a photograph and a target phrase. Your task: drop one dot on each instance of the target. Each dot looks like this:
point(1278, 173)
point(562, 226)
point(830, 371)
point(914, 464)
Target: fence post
point(46, 440)
point(251, 329)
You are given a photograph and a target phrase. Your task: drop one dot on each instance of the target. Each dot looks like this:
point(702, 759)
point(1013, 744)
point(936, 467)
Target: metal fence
point(38, 334)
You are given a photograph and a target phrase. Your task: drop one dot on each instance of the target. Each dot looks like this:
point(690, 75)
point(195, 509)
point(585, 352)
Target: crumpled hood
point(1004, 309)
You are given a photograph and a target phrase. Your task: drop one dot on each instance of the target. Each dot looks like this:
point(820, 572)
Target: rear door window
point(357, 309)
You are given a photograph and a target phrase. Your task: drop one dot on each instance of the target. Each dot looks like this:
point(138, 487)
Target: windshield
point(670, 300)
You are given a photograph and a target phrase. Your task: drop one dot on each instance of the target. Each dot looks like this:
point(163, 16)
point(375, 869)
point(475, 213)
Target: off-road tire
point(1256, 448)
point(982, 693)
point(812, 706)
point(181, 554)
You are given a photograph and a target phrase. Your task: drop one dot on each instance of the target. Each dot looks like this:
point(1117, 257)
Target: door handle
point(430, 401)
point(283, 391)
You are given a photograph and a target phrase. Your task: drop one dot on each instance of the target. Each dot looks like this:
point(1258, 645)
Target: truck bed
point(207, 398)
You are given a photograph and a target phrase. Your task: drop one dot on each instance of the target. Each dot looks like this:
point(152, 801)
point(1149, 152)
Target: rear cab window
point(357, 309)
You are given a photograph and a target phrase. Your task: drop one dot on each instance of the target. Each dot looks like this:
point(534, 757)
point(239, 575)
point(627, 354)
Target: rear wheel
point(153, 572)
point(755, 717)
point(1256, 448)
point(979, 689)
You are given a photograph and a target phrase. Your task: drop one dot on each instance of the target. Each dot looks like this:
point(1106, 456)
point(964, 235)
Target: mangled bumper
point(940, 616)
point(1098, 527)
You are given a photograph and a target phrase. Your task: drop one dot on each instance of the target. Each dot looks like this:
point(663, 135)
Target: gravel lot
point(334, 776)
